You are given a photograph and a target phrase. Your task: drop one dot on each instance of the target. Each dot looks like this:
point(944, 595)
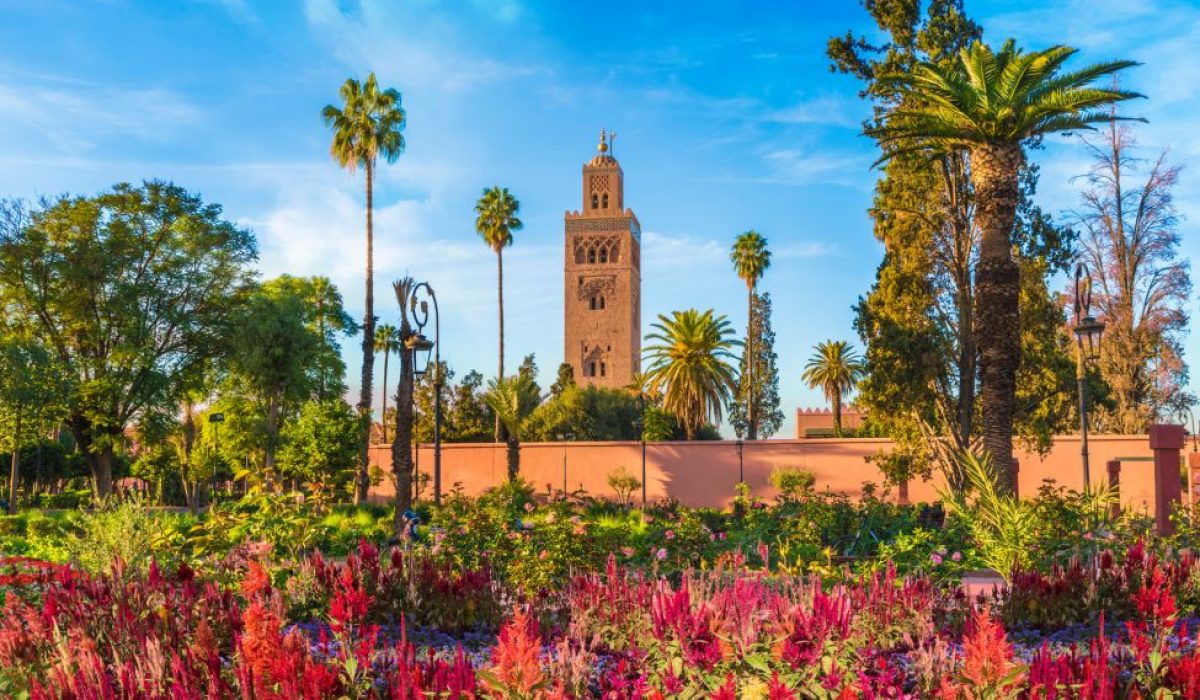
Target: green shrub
point(624, 484)
point(792, 481)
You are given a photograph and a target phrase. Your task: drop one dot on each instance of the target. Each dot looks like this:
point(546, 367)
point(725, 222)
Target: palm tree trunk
point(368, 345)
point(15, 466)
point(383, 414)
point(500, 298)
point(751, 423)
point(402, 453)
point(836, 399)
point(514, 458)
point(994, 172)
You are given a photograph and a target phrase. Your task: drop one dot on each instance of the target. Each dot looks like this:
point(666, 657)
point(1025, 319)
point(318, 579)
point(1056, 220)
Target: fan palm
point(690, 365)
point(512, 399)
point(835, 368)
point(990, 103)
point(750, 259)
point(366, 128)
point(387, 341)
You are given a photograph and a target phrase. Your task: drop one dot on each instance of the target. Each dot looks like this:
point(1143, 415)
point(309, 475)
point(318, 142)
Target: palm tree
point(690, 364)
point(512, 399)
point(387, 341)
point(495, 220)
point(750, 259)
point(836, 369)
point(366, 128)
point(403, 464)
point(991, 104)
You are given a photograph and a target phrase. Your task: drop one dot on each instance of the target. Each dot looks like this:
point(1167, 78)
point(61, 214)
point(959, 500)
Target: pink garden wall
point(705, 473)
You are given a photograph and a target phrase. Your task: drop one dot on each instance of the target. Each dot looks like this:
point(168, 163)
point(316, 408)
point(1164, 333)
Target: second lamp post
point(1088, 332)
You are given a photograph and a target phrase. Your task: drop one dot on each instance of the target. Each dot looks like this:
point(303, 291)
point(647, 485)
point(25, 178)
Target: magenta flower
point(669, 534)
point(937, 558)
point(957, 556)
point(660, 554)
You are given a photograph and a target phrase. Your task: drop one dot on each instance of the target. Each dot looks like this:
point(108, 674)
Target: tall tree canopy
point(495, 221)
point(690, 360)
point(751, 258)
point(1130, 240)
point(133, 291)
point(367, 126)
point(834, 368)
point(765, 395)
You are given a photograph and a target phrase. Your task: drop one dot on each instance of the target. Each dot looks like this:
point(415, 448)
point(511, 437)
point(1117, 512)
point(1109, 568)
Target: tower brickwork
point(602, 277)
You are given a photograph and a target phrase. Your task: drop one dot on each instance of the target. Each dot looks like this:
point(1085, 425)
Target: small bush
point(624, 484)
point(792, 482)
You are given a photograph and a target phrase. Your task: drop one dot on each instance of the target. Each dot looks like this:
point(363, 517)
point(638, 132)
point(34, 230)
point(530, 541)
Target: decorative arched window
point(596, 200)
point(603, 254)
point(604, 205)
point(614, 255)
point(592, 370)
point(591, 256)
point(601, 302)
point(602, 369)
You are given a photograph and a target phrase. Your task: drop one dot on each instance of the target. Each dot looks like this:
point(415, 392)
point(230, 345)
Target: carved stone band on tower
point(602, 337)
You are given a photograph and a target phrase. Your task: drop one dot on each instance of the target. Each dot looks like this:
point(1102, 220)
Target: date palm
point(512, 399)
point(387, 341)
point(495, 220)
point(367, 127)
point(835, 368)
point(990, 104)
point(690, 365)
point(750, 259)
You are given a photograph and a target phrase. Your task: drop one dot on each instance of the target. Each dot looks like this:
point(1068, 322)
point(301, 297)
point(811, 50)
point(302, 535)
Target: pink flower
point(647, 519)
point(627, 551)
point(712, 538)
point(669, 534)
point(528, 507)
point(937, 558)
point(721, 536)
point(543, 554)
point(660, 554)
point(957, 556)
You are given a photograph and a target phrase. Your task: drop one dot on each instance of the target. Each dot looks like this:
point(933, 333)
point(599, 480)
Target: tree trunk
point(272, 440)
point(402, 455)
point(383, 411)
point(500, 298)
point(836, 400)
point(368, 346)
point(751, 426)
point(994, 171)
point(16, 465)
point(102, 482)
point(514, 458)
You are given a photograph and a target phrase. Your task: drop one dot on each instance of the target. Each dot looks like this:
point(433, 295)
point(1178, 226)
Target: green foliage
point(322, 443)
point(1004, 527)
point(834, 368)
point(130, 533)
point(792, 482)
point(96, 276)
point(623, 484)
point(689, 366)
point(767, 415)
point(587, 413)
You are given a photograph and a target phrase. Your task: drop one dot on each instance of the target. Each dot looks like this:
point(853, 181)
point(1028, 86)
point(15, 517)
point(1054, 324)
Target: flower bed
point(400, 626)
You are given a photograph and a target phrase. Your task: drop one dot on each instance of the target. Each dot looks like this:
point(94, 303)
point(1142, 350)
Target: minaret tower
point(602, 266)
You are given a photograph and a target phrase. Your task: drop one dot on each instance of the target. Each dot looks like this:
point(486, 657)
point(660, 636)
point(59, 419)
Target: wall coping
point(732, 443)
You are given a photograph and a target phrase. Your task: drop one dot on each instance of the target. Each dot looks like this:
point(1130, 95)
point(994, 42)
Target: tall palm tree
point(495, 220)
point(835, 368)
point(403, 464)
point(367, 127)
point(512, 399)
point(690, 364)
point(750, 259)
point(387, 341)
point(990, 104)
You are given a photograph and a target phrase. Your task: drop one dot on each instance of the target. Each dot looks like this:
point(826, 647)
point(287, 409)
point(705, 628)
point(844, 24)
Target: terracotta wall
point(705, 473)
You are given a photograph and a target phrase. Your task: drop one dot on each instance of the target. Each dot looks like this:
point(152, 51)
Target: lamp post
point(739, 446)
point(1088, 333)
point(420, 311)
point(642, 437)
point(563, 438)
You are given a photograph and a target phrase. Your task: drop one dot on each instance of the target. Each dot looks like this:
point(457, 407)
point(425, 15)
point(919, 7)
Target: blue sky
point(727, 114)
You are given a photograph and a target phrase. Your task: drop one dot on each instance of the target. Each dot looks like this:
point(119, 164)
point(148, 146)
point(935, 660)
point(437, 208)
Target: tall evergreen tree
point(767, 415)
point(751, 258)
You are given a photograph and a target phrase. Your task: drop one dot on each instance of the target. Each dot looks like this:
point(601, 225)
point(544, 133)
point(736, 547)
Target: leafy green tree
point(273, 352)
point(133, 292)
point(690, 365)
point(750, 258)
point(367, 127)
point(387, 341)
point(495, 220)
point(513, 399)
point(834, 368)
point(324, 315)
point(31, 395)
point(991, 104)
point(588, 413)
point(767, 415)
point(564, 379)
point(321, 444)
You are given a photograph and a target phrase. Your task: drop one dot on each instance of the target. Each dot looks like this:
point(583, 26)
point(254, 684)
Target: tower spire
point(603, 147)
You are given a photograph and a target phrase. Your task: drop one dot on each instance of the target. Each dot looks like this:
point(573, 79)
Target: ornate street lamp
point(422, 295)
point(564, 438)
point(1088, 334)
point(739, 446)
point(642, 437)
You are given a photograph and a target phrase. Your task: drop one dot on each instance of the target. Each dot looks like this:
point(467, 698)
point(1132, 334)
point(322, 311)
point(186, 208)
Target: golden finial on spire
point(603, 142)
